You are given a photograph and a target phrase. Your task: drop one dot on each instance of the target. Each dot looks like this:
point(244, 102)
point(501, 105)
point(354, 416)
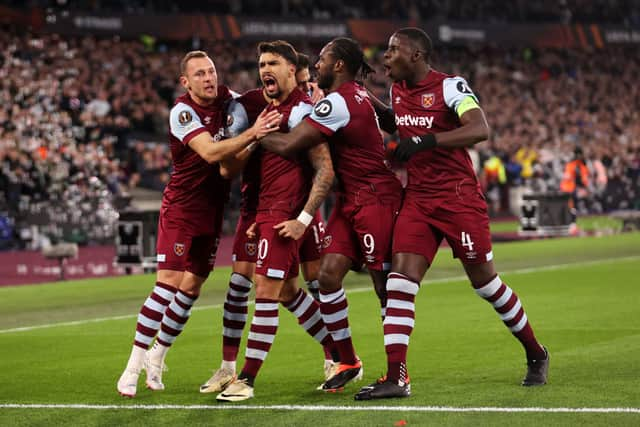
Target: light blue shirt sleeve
point(237, 118)
point(455, 90)
point(298, 113)
point(183, 120)
point(331, 112)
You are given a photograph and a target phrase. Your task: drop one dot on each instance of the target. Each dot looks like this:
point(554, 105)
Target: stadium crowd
point(585, 11)
point(83, 120)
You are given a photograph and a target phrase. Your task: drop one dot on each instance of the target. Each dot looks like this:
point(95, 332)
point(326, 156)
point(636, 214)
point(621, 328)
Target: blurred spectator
point(575, 181)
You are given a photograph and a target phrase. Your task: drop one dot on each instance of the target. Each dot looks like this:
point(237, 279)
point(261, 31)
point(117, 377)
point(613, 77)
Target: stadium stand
point(604, 11)
point(83, 120)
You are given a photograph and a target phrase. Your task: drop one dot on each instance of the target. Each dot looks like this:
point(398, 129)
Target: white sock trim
point(490, 288)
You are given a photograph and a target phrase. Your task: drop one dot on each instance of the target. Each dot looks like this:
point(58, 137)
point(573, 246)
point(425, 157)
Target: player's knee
point(328, 280)
point(288, 293)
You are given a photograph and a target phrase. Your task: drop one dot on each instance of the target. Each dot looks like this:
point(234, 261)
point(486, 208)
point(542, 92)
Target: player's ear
point(184, 82)
point(339, 65)
point(415, 57)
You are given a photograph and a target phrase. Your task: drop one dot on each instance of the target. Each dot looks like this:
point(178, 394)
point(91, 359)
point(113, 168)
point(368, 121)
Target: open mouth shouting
point(387, 69)
point(270, 84)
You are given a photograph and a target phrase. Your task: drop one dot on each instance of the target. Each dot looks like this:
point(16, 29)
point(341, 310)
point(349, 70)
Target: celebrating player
point(243, 111)
point(191, 214)
point(368, 195)
point(438, 116)
point(303, 78)
point(287, 200)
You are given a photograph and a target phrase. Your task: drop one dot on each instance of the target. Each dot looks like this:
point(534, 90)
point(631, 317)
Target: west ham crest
point(178, 249)
point(428, 99)
point(250, 248)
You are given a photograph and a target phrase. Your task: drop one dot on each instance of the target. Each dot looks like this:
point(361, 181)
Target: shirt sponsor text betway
point(409, 120)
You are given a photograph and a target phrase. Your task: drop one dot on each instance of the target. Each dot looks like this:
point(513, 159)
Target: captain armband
point(468, 103)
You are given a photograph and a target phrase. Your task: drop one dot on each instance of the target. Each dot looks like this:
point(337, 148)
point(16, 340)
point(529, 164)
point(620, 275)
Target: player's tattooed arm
point(386, 118)
point(320, 158)
point(301, 137)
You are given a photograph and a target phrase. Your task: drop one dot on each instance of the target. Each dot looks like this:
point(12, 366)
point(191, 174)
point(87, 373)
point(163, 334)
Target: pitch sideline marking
point(355, 290)
point(323, 408)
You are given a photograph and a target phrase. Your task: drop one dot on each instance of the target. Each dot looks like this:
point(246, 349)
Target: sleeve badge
point(184, 117)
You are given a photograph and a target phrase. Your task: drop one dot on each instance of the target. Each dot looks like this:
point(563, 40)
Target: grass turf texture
point(592, 223)
point(461, 355)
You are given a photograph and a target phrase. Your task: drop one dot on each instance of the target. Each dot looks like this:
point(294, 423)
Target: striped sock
point(307, 311)
point(175, 318)
point(261, 335)
point(335, 310)
point(235, 315)
point(151, 314)
point(508, 306)
point(314, 289)
point(398, 323)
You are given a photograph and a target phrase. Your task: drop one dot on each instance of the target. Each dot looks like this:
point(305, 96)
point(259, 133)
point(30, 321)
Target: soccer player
point(190, 216)
point(368, 195)
point(438, 116)
point(244, 110)
point(290, 193)
point(303, 78)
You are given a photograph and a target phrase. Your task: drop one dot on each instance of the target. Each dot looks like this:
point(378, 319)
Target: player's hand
point(292, 228)
point(316, 93)
point(407, 147)
point(251, 231)
point(266, 123)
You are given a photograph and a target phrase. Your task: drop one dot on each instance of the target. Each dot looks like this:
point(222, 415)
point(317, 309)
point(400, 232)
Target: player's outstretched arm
point(474, 129)
point(215, 152)
point(230, 167)
point(320, 158)
point(301, 137)
point(386, 118)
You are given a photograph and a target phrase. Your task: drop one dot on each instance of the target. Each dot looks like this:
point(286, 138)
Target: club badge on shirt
point(428, 99)
point(178, 249)
point(250, 248)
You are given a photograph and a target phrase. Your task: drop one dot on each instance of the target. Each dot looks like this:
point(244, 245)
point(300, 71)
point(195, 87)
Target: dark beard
point(326, 81)
point(275, 95)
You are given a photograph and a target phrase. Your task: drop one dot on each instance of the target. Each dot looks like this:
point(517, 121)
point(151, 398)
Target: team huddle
point(293, 142)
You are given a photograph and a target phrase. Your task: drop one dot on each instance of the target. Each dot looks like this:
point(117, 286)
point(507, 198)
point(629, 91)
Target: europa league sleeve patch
point(185, 117)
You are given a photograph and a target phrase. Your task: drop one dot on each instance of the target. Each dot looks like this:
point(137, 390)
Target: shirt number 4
point(466, 241)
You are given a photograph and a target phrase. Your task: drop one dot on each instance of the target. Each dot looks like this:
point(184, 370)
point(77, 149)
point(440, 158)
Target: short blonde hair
point(189, 56)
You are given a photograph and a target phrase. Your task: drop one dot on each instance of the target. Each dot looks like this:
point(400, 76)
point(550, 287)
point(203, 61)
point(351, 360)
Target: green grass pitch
point(65, 344)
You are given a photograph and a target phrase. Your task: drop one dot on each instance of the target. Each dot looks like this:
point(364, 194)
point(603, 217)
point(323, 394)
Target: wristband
point(252, 146)
point(305, 218)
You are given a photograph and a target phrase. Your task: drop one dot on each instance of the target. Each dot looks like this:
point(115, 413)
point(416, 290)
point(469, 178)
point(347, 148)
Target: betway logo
point(409, 120)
